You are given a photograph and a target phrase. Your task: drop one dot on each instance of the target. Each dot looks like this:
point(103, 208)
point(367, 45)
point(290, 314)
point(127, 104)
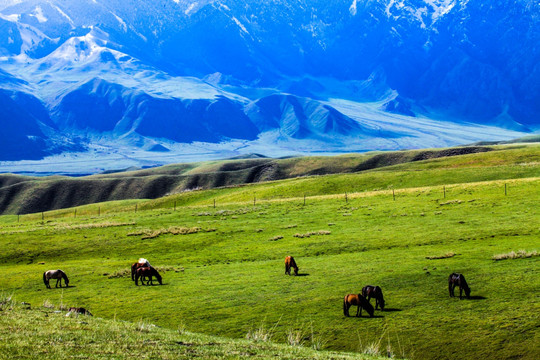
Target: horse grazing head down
point(59, 275)
point(147, 272)
point(456, 279)
point(370, 291)
point(290, 263)
point(357, 300)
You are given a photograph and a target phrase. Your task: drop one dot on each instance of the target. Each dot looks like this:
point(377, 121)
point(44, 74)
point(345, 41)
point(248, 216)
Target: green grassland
point(46, 333)
point(223, 266)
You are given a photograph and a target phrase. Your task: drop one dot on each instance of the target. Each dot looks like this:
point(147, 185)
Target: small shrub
point(312, 233)
point(275, 238)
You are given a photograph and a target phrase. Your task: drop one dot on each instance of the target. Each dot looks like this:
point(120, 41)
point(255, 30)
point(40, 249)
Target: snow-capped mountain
point(277, 75)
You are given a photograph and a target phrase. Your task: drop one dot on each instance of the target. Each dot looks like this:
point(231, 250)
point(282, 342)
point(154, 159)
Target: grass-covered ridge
point(21, 195)
point(45, 333)
point(404, 228)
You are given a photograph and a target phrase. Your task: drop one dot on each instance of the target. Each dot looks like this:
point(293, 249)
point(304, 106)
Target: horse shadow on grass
point(476, 297)
point(391, 309)
point(303, 274)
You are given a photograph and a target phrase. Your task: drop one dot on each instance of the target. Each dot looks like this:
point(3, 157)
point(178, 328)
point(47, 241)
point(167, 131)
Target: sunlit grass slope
point(404, 228)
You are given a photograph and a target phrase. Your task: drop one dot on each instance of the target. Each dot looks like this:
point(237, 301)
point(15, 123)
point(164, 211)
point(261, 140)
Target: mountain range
point(132, 82)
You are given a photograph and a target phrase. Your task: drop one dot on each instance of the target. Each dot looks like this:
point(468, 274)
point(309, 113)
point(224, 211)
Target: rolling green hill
point(22, 195)
point(404, 227)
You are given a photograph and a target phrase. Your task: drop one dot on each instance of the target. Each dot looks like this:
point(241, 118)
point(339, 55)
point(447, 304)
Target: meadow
point(405, 228)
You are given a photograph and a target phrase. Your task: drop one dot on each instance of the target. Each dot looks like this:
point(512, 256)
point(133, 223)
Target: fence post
point(444, 191)
point(504, 189)
point(175, 206)
point(393, 195)
point(304, 199)
point(136, 207)
point(18, 218)
point(214, 203)
point(42, 216)
point(254, 199)
point(99, 211)
point(75, 213)
point(346, 199)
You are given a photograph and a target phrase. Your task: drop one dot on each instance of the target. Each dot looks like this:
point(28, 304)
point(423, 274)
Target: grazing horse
point(358, 300)
point(55, 274)
point(140, 263)
point(370, 291)
point(78, 310)
point(456, 279)
point(290, 263)
point(148, 272)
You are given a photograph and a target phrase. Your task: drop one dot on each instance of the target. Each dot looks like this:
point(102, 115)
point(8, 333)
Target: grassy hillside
point(405, 227)
point(46, 333)
point(21, 195)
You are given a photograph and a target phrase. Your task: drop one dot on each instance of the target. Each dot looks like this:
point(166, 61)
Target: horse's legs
point(451, 289)
point(359, 311)
point(460, 292)
point(58, 281)
point(376, 303)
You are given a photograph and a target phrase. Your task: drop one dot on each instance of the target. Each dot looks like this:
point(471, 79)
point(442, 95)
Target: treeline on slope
point(23, 195)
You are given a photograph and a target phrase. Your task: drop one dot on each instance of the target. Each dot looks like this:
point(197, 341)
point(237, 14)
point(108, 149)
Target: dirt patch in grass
point(444, 256)
point(312, 233)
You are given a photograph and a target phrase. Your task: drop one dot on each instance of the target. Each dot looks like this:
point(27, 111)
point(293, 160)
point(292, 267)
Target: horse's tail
point(45, 281)
point(345, 307)
point(137, 278)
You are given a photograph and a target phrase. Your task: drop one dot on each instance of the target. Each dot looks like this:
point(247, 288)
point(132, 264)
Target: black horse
point(456, 279)
point(370, 291)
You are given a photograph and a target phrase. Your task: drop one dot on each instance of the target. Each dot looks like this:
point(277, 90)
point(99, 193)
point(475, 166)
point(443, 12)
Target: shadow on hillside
point(303, 274)
point(476, 297)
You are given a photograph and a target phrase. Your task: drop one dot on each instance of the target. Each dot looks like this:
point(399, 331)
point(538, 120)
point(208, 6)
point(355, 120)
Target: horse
point(140, 263)
point(358, 300)
point(456, 279)
point(290, 263)
point(148, 272)
point(78, 310)
point(55, 274)
point(370, 291)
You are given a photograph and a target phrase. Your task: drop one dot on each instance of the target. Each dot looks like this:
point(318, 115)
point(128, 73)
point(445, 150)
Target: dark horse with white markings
point(358, 300)
point(290, 263)
point(55, 274)
point(147, 272)
point(140, 263)
point(456, 279)
point(370, 291)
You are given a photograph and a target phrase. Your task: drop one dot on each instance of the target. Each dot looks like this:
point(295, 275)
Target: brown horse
point(358, 300)
point(370, 291)
point(290, 263)
point(456, 279)
point(55, 274)
point(140, 263)
point(147, 272)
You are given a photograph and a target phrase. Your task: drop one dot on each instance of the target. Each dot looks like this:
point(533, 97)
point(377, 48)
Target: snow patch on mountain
point(38, 14)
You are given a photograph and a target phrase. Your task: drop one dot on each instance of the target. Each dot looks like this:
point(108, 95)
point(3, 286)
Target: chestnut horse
point(140, 263)
point(55, 274)
point(370, 291)
point(147, 272)
point(290, 263)
point(456, 279)
point(358, 300)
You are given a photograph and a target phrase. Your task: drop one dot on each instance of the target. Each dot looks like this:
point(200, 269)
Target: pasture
point(405, 229)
